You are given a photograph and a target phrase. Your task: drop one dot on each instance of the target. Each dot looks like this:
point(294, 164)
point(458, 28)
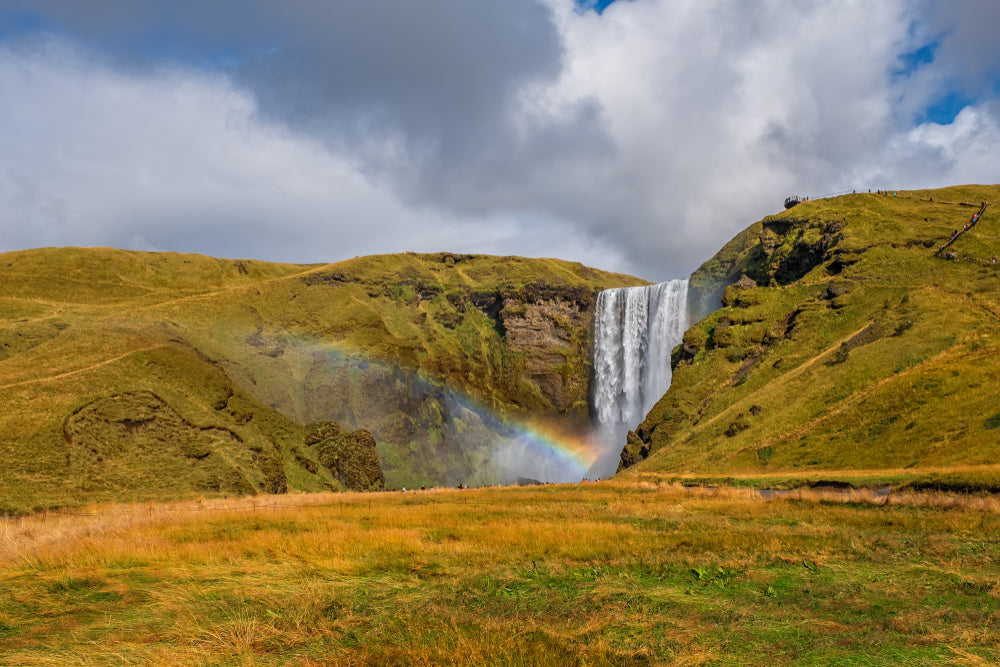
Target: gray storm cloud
point(638, 140)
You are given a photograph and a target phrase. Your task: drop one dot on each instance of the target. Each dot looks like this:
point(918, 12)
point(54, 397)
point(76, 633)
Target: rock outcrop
point(547, 332)
point(350, 456)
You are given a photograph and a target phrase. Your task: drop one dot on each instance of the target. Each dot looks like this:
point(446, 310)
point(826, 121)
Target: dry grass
point(614, 573)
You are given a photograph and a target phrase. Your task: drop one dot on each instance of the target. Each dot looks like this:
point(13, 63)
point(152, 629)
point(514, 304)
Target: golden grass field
point(629, 572)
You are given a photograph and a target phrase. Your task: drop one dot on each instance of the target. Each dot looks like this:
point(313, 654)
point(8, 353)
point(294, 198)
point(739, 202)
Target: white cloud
point(639, 140)
point(182, 160)
point(961, 152)
point(718, 110)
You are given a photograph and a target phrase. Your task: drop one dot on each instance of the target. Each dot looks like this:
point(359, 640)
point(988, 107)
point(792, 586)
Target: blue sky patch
point(910, 62)
point(597, 5)
point(18, 23)
point(944, 110)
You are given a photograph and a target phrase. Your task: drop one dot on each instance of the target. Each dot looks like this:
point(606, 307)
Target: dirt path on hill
point(59, 376)
point(798, 370)
point(939, 359)
point(793, 373)
point(232, 288)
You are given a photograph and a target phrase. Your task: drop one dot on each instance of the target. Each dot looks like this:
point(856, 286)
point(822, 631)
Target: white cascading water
point(635, 330)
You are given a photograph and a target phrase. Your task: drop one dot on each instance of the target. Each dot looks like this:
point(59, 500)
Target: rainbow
point(564, 457)
point(571, 456)
point(520, 450)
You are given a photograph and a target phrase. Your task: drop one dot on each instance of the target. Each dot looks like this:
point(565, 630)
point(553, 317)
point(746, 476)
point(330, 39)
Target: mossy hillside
point(352, 457)
point(849, 345)
point(155, 421)
point(445, 315)
point(258, 350)
point(408, 345)
point(706, 285)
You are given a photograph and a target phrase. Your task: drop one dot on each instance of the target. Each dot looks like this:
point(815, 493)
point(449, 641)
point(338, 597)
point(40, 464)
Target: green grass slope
point(134, 376)
point(851, 344)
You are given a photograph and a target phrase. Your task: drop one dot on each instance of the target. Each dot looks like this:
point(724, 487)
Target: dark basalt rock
point(331, 278)
point(636, 450)
point(833, 292)
point(350, 456)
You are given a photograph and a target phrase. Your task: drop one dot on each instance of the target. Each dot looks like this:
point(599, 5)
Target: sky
point(631, 135)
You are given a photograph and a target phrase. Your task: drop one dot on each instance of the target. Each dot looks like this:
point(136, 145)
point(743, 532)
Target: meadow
point(633, 571)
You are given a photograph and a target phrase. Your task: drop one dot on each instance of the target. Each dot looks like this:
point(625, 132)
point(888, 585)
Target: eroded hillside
point(845, 340)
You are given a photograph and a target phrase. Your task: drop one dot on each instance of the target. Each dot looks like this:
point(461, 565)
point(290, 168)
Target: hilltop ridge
point(835, 339)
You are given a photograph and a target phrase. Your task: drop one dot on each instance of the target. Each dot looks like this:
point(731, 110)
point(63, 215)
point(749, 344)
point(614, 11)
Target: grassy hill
point(846, 342)
point(133, 376)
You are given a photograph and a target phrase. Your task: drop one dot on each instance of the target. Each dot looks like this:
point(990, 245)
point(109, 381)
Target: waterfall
point(635, 330)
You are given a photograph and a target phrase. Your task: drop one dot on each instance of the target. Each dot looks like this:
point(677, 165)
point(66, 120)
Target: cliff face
point(547, 332)
point(836, 336)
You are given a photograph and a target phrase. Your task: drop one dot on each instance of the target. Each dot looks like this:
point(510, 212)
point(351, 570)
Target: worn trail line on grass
point(937, 360)
point(117, 304)
point(82, 370)
point(792, 373)
point(233, 288)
